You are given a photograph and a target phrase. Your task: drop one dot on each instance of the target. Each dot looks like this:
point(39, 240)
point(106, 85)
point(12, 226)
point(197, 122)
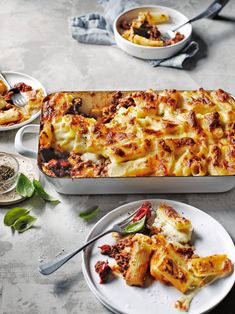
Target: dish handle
point(19, 145)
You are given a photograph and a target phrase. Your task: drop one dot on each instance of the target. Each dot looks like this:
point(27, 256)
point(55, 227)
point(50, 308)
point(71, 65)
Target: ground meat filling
point(222, 95)
point(216, 156)
point(164, 146)
point(75, 107)
point(125, 25)
point(117, 101)
point(119, 253)
point(185, 141)
point(213, 120)
point(109, 111)
point(50, 154)
point(193, 120)
point(60, 168)
point(126, 102)
point(231, 133)
point(178, 37)
point(19, 87)
point(22, 87)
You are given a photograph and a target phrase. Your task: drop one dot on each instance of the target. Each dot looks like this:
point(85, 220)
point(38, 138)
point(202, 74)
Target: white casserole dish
point(124, 185)
point(145, 52)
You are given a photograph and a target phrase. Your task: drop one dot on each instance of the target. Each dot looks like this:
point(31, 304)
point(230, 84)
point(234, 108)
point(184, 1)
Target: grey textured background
point(34, 39)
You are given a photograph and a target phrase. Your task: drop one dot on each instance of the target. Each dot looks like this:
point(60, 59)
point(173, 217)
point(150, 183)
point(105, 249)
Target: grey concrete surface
point(34, 39)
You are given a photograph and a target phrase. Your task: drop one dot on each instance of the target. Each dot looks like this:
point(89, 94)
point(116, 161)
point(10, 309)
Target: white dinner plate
point(16, 77)
point(210, 238)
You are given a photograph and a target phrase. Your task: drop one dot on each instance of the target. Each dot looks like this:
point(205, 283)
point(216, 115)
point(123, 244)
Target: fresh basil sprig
point(14, 214)
point(24, 223)
point(24, 186)
point(136, 226)
point(42, 193)
point(89, 213)
point(19, 219)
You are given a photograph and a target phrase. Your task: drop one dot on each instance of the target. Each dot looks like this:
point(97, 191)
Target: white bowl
point(144, 52)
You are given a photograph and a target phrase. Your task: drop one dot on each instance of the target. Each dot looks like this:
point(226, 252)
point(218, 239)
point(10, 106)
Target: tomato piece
point(105, 249)
point(144, 210)
point(103, 270)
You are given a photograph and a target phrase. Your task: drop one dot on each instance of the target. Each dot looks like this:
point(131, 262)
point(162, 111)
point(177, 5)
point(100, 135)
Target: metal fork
point(49, 267)
point(17, 98)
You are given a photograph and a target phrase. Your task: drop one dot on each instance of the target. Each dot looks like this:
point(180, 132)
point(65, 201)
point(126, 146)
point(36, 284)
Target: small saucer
point(27, 167)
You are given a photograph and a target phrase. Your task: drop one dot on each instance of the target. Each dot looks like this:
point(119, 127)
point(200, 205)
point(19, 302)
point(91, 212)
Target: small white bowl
point(10, 161)
point(146, 52)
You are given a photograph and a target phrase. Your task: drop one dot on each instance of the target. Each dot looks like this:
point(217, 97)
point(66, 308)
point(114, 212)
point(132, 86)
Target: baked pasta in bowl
point(123, 135)
point(145, 32)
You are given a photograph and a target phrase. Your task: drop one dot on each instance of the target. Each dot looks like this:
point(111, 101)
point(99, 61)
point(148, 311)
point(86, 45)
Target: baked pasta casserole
point(162, 250)
point(11, 114)
point(152, 133)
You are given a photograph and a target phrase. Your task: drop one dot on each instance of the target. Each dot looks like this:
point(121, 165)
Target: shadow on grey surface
point(190, 63)
point(64, 286)
point(222, 33)
point(227, 306)
point(225, 18)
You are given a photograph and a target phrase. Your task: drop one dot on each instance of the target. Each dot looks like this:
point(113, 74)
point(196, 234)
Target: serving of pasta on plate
point(158, 245)
point(11, 114)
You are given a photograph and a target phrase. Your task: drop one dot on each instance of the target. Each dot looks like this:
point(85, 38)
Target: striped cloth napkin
point(94, 28)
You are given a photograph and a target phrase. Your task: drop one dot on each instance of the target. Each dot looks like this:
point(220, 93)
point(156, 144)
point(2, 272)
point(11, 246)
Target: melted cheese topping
point(167, 133)
point(172, 226)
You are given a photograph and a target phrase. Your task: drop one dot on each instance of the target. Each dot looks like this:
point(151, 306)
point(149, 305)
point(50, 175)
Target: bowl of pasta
point(146, 32)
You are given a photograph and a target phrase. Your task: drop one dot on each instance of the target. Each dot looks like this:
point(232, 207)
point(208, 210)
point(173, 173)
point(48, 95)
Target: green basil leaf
point(24, 223)
point(42, 193)
point(136, 226)
point(89, 213)
point(13, 214)
point(24, 186)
